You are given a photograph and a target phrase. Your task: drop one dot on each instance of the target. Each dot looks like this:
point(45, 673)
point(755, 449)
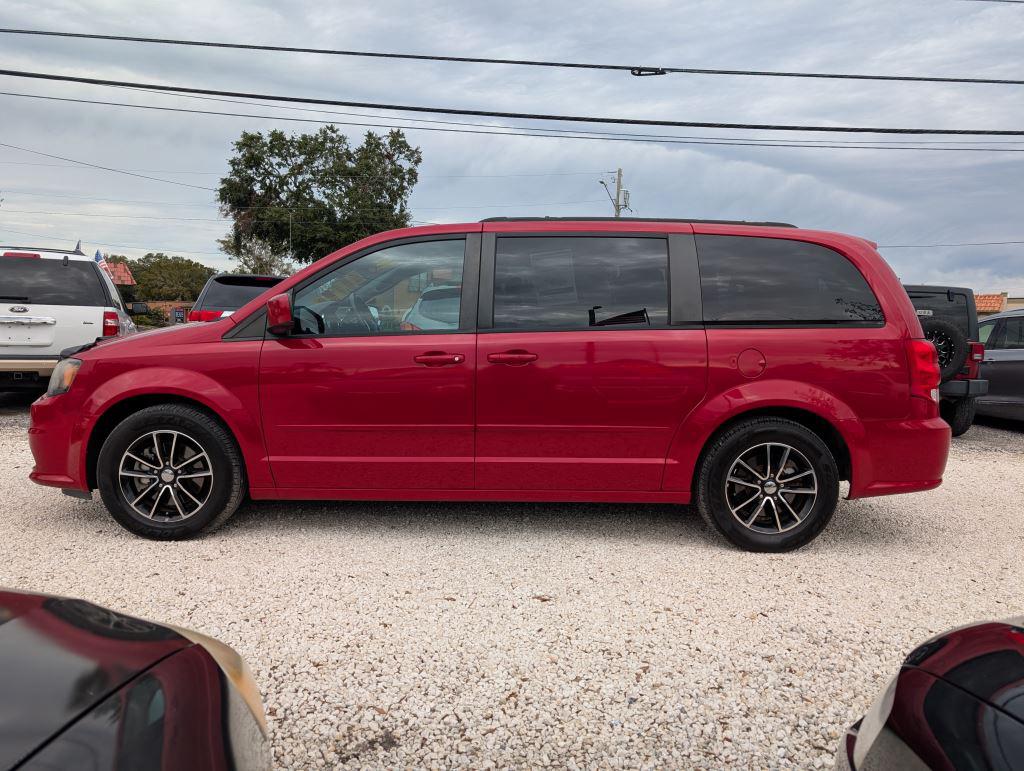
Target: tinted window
point(1012, 335)
point(944, 305)
point(50, 282)
point(766, 280)
point(380, 293)
point(578, 282)
point(227, 293)
point(985, 331)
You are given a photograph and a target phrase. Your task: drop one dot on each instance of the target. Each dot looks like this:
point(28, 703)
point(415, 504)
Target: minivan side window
point(406, 288)
point(750, 280)
point(985, 332)
point(580, 282)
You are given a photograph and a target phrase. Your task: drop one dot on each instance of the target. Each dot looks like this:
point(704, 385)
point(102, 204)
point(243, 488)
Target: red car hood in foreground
point(60, 657)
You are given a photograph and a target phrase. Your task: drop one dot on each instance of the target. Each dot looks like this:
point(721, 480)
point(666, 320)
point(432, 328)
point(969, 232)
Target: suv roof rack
point(636, 219)
point(76, 251)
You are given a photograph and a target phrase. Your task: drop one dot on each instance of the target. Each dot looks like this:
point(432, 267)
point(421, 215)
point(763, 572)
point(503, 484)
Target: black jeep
point(950, 320)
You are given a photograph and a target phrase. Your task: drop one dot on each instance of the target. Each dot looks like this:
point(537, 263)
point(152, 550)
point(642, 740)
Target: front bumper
point(56, 436)
point(961, 388)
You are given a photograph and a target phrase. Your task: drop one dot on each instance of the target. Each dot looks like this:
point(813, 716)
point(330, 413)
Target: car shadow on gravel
point(1004, 424)
point(636, 522)
point(17, 402)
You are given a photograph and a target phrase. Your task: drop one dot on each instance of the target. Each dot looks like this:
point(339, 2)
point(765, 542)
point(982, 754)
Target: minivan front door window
point(405, 288)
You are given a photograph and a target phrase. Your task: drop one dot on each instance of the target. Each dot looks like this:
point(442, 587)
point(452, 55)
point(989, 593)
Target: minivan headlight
point(63, 376)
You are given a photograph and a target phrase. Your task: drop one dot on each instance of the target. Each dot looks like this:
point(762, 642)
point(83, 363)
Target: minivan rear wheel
point(768, 485)
point(170, 471)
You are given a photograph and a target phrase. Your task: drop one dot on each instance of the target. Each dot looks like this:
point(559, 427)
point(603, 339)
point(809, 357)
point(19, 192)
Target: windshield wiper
point(630, 317)
point(16, 297)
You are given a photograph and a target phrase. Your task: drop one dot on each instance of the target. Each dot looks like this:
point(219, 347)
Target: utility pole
point(620, 202)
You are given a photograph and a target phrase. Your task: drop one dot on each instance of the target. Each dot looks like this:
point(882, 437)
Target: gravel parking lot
point(512, 635)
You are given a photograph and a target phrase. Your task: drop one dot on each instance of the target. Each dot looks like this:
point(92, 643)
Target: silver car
point(1003, 365)
point(436, 308)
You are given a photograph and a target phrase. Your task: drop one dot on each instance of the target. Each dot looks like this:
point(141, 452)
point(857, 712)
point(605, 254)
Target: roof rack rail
point(76, 250)
point(638, 219)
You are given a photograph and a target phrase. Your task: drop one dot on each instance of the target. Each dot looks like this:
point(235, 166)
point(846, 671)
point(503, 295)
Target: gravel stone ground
point(579, 636)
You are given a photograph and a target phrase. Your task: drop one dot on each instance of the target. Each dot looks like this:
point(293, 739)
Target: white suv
point(51, 300)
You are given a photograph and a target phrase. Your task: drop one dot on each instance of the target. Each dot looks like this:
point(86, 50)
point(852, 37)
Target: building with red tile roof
point(990, 303)
point(120, 274)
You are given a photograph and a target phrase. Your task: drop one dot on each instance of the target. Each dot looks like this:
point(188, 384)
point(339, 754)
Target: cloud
point(888, 196)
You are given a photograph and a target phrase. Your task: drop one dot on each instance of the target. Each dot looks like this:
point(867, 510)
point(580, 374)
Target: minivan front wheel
point(169, 472)
point(768, 484)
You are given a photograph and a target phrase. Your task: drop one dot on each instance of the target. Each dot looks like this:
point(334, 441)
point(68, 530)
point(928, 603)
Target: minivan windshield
point(50, 282)
point(229, 293)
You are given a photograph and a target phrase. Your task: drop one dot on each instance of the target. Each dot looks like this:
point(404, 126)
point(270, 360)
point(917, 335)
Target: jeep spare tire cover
point(950, 344)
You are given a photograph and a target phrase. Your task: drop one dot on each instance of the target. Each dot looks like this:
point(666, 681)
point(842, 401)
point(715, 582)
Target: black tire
point(713, 494)
point(213, 505)
point(959, 413)
point(950, 344)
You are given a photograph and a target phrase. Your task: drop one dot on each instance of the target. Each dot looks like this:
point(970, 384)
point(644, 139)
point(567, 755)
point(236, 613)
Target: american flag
point(102, 262)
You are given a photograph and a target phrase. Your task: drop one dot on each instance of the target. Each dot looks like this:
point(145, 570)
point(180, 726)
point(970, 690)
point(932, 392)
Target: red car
point(747, 367)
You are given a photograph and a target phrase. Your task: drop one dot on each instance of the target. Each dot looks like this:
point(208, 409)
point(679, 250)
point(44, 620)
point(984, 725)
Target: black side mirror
point(138, 309)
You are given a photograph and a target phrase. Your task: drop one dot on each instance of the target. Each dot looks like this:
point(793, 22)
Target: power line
point(944, 246)
point(105, 168)
point(501, 113)
point(117, 246)
point(547, 129)
point(531, 132)
point(370, 212)
point(368, 176)
point(193, 251)
point(631, 68)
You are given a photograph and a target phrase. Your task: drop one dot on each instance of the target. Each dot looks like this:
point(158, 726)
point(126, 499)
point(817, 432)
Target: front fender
point(231, 407)
point(694, 431)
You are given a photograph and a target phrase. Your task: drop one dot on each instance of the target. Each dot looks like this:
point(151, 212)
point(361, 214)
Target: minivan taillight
point(204, 315)
point(924, 370)
point(111, 324)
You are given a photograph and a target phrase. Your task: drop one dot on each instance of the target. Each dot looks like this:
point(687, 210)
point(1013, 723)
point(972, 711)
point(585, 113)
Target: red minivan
point(747, 367)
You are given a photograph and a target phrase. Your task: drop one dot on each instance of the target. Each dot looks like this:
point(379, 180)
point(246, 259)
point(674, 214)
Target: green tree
point(306, 195)
point(164, 277)
point(253, 255)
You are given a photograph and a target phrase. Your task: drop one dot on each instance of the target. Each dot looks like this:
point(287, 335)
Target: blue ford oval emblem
point(18, 309)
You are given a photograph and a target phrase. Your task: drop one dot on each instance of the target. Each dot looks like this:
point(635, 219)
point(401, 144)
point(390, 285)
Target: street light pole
point(620, 202)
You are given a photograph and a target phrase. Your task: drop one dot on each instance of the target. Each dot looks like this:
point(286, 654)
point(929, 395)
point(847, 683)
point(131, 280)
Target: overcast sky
point(892, 197)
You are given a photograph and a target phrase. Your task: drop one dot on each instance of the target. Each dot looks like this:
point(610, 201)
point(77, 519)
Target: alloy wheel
point(165, 476)
point(771, 488)
point(943, 346)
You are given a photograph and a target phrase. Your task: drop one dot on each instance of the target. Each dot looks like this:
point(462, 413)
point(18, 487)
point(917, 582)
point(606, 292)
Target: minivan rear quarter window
point(750, 280)
point(576, 282)
point(51, 282)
